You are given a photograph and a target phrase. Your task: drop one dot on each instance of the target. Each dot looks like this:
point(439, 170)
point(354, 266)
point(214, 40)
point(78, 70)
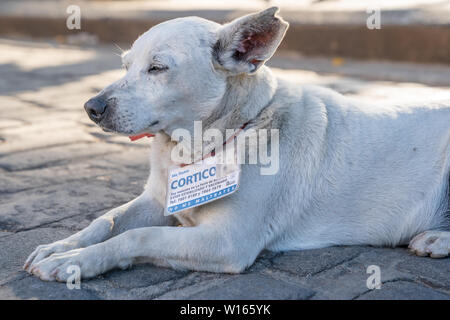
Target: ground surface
point(58, 172)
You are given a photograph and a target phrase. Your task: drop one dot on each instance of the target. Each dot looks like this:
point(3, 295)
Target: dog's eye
point(156, 68)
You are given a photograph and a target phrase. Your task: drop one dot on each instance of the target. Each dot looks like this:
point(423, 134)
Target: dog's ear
point(244, 44)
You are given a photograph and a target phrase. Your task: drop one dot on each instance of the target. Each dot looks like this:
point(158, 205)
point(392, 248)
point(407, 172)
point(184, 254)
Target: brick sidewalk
point(58, 172)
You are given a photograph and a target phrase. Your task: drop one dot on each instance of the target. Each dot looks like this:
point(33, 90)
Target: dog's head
point(177, 72)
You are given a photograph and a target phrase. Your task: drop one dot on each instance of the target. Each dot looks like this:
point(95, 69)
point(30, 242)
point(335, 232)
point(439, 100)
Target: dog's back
point(376, 174)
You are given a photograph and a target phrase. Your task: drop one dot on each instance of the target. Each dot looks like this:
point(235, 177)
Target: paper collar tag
point(199, 183)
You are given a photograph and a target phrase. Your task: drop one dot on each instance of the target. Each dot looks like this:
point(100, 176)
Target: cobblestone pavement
point(58, 172)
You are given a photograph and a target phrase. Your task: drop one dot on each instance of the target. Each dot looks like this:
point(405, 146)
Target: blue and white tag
point(199, 183)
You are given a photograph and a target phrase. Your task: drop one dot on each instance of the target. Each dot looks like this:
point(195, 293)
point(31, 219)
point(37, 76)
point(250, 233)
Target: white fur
point(350, 174)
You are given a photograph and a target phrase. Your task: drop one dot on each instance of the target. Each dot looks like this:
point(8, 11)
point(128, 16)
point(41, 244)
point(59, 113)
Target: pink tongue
point(139, 136)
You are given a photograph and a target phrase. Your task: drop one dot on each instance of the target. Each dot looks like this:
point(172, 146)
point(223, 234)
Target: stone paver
point(16, 247)
point(58, 172)
point(29, 209)
point(404, 290)
point(254, 286)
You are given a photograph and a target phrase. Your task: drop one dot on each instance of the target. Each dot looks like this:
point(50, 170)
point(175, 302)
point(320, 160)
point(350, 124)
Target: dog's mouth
point(132, 137)
point(140, 136)
point(145, 134)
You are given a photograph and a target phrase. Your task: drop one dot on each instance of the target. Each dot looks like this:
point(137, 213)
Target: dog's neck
point(243, 104)
point(244, 100)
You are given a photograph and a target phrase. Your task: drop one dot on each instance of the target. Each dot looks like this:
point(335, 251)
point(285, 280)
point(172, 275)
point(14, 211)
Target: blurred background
point(401, 40)
point(412, 30)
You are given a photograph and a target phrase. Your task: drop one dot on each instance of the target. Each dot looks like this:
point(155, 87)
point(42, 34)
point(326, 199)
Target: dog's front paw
point(45, 250)
point(56, 266)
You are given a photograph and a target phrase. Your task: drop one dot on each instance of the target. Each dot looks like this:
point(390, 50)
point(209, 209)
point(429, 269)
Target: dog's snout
point(95, 108)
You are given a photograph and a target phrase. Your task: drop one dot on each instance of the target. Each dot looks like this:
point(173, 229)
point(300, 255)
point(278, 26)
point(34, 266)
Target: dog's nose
point(95, 108)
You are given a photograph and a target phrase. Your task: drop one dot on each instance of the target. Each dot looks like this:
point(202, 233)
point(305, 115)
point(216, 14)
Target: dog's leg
point(436, 244)
point(197, 248)
point(140, 212)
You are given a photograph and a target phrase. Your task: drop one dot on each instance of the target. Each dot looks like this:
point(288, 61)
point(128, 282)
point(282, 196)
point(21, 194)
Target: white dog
point(348, 174)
